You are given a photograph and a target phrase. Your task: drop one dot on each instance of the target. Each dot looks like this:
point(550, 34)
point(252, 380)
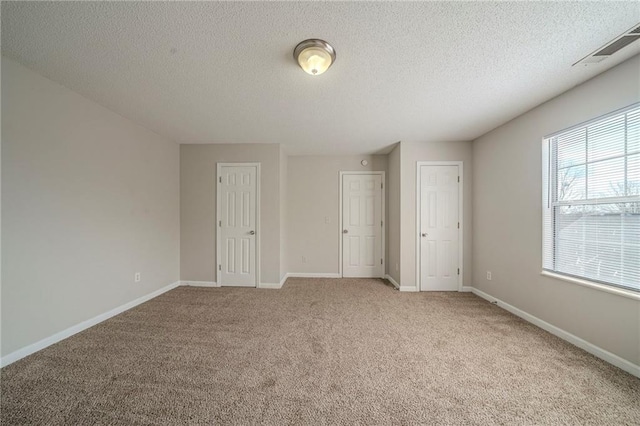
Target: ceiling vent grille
point(612, 47)
point(617, 45)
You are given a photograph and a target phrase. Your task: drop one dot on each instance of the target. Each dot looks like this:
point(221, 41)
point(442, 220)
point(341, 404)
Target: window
point(591, 205)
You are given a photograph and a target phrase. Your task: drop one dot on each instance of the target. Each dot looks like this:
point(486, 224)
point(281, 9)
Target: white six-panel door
point(439, 228)
point(237, 225)
point(362, 226)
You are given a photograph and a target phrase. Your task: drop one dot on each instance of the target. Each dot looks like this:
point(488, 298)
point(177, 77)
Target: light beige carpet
point(316, 352)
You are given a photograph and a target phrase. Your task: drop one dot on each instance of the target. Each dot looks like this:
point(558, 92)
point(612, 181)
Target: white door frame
point(460, 217)
point(384, 220)
point(219, 167)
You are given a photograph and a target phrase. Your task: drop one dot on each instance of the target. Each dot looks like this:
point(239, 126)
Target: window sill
point(585, 283)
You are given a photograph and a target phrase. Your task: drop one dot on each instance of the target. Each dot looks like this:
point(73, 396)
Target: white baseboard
point(466, 289)
point(408, 288)
point(48, 341)
point(284, 279)
point(199, 283)
point(270, 285)
point(611, 358)
point(392, 281)
point(214, 284)
point(313, 275)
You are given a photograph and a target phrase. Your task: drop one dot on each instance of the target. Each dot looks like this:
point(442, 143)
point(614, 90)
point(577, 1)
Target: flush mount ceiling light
point(314, 56)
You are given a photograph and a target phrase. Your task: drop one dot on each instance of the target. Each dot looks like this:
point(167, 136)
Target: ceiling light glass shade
point(314, 56)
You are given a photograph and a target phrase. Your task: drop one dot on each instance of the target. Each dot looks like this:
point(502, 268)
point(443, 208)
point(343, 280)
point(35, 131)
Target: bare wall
point(89, 199)
point(313, 198)
point(411, 153)
point(393, 213)
point(284, 264)
point(508, 217)
point(198, 207)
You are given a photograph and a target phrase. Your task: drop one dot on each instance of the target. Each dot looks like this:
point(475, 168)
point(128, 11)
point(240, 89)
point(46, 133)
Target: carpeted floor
point(316, 352)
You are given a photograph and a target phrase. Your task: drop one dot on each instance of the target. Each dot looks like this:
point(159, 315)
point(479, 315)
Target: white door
point(237, 225)
point(362, 226)
point(439, 228)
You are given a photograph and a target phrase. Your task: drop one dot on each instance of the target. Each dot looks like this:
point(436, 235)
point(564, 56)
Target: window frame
point(550, 202)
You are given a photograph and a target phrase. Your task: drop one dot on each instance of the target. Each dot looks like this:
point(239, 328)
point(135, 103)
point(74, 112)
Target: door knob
point(252, 232)
point(424, 234)
point(344, 231)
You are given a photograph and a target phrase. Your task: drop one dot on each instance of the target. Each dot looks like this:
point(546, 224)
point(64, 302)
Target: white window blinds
point(591, 205)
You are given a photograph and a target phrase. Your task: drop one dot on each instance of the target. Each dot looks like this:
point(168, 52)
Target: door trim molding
point(218, 218)
point(460, 216)
point(384, 219)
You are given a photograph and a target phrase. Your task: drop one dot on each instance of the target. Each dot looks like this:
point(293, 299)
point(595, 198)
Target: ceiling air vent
point(612, 47)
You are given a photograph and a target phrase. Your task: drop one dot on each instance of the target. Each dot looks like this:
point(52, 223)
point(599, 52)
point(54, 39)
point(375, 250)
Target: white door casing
point(237, 224)
point(362, 224)
point(439, 227)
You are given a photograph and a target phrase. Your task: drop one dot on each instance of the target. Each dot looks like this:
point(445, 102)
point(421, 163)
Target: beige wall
point(508, 211)
point(313, 192)
point(284, 265)
point(88, 199)
point(411, 153)
point(393, 213)
point(198, 207)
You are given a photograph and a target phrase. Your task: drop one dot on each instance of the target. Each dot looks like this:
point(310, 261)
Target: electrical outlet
point(304, 259)
point(327, 219)
point(136, 277)
point(488, 275)
point(396, 267)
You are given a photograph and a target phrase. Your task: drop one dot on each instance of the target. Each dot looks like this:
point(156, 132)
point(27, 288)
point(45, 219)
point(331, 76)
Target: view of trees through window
point(594, 201)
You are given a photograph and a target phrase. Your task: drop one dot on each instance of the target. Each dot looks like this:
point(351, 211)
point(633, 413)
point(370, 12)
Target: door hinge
point(458, 179)
point(220, 223)
point(458, 225)
point(458, 271)
point(219, 267)
point(220, 179)
point(382, 186)
point(381, 224)
point(381, 261)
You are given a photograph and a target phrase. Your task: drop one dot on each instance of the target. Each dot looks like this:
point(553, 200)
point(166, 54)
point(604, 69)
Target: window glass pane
point(630, 273)
point(633, 175)
point(599, 242)
point(631, 245)
point(569, 242)
point(571, 148)
point(571, 183)
point(586, 234)
point(606, 139)
point(603, 262)
point(569, 258)
point(606, 179)
point(633, 131)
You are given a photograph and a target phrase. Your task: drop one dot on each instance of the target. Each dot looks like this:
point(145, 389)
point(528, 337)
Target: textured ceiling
point(214, 72)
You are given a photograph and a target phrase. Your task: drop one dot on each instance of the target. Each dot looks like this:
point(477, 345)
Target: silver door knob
point(252, 232)
point(424, 234)
point(344, 231)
